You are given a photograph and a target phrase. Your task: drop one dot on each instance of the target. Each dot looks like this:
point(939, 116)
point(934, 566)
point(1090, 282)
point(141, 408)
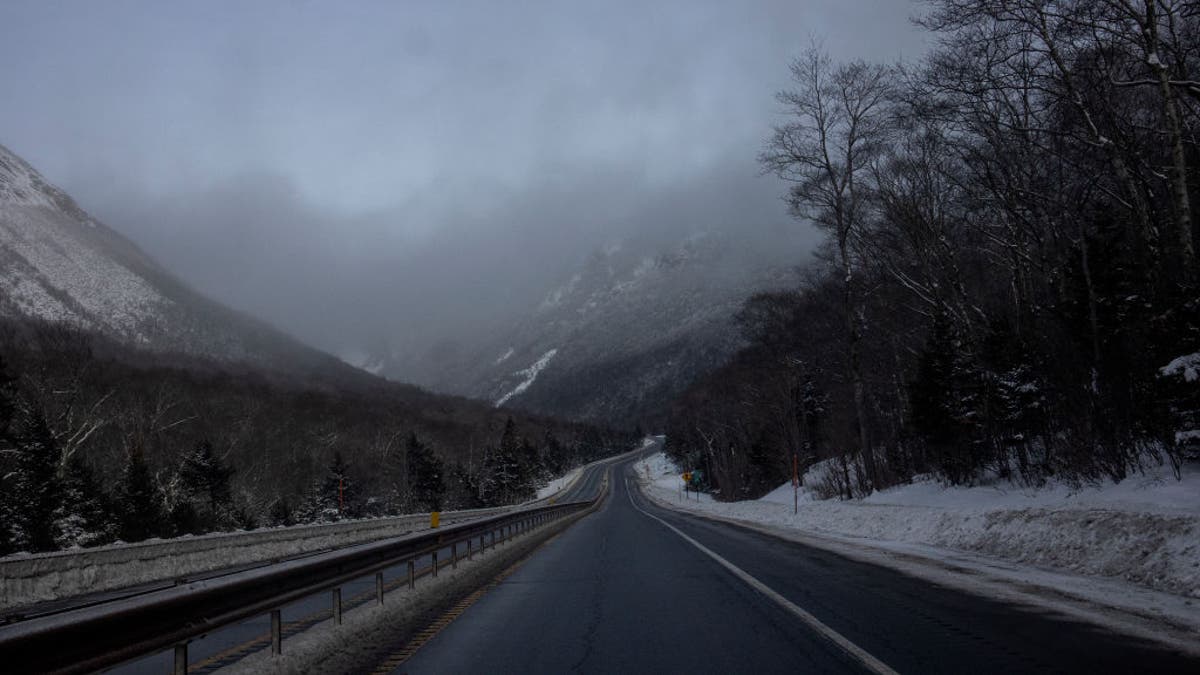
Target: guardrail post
point(181, 658)
point(412, 574)
point(482, 543)
point(435, 563)
point(276, 633)
point(337, 606)
point(470, 550)
point(454, 556)
point(379, 587)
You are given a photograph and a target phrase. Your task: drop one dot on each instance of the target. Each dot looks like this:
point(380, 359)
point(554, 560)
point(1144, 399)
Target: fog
point(408, 171)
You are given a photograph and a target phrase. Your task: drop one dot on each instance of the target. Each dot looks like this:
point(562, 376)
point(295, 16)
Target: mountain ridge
point(616, 340)
point(60, 264)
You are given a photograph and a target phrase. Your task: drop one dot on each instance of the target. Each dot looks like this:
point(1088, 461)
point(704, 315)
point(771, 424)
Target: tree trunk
point(854, 337)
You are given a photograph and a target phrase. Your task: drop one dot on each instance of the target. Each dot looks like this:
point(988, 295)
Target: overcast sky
point(331, 166)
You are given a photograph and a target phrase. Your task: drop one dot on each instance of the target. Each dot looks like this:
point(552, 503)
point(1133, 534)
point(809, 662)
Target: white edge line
point(854, 651)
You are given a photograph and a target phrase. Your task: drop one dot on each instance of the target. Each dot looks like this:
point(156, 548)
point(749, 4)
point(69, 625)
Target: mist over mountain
point(428, 273)
point(615, 339)
point(59, 264)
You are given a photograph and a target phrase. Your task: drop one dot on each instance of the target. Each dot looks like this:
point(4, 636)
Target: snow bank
point(1144, 530)
point(555, 486)
point(665, 477)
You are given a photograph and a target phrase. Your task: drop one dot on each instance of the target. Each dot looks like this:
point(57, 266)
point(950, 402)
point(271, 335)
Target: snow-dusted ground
point(559, 483)
point(1134, 546)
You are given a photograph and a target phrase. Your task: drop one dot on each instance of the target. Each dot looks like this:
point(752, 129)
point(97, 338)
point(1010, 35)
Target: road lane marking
point(854, 651)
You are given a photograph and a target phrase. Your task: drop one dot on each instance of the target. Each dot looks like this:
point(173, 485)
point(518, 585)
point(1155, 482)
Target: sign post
point(795, 484)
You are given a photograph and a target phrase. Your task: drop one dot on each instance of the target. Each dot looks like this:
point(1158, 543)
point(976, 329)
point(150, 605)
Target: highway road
point(230, 644)
point(624, 591)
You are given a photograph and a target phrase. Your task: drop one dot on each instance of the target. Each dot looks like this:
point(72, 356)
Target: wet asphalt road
point(620, 592)
point(229, 644)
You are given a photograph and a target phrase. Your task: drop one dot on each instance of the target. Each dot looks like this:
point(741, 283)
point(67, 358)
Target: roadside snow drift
point(1144, 530)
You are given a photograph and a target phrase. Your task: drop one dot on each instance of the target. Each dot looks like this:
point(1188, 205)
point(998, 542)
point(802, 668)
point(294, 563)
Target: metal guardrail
point(97, 637)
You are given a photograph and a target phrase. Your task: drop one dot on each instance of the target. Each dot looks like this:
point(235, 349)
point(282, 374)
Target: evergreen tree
point(533, 472)
point(552, 455)
point(315, 507)
point(338, 496)
point(463, 489)
point(941, 406)
point(185, 519)
point(280, 513)
point(7, 409)
point(206, 477)
point(426, 483)
point(85, 515)
point(37, 493)
point(140, 513)
point(505, 479)
point(8, 403)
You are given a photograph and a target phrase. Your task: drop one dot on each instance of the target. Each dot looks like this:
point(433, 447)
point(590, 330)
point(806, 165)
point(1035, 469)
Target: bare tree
point(838, 122)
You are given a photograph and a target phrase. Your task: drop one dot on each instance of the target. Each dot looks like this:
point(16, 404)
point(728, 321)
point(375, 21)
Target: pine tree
point(280, 514)
point(505, 475)
point(315, 505)
point(532, 470)
point(486, 483)
point(206, 477)
point(141, 515)
point(944, 407)
point(338, 497)
point(85, 515)
point(8, 400)
point(463, 489)
point(426, 483)
point(552, 457)
point(37, 493)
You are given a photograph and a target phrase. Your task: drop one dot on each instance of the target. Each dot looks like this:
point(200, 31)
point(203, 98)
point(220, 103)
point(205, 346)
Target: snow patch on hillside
point(555, 298)
point(1144, 530)
point(505, 356)
point(371, 363)
point(530, 374)
point(46, 261)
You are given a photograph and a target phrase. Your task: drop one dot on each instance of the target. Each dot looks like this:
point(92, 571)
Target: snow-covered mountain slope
point(59, 264)
point(619, 338)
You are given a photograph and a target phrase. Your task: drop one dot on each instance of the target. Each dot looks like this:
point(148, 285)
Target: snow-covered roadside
point(555, 486)
point(1133, 546)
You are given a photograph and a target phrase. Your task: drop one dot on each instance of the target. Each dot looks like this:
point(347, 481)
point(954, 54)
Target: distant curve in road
point(620, 592)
